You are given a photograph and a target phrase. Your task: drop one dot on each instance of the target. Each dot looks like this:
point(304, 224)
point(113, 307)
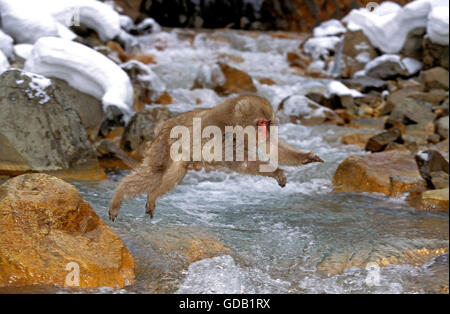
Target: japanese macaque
point(160, 172)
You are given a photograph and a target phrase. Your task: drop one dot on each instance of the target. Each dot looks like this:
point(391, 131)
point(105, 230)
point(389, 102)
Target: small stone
point(379, 142)
point(435, 78)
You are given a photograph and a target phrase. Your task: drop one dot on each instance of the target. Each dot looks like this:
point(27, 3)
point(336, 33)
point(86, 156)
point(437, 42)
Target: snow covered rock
point(320, 47)
point(438, 25)
point(4, 64)
point(390, 65)
point(23, 50)
point(309, 112)
point(329, 28)
point(28, 20)
point(6, 44)
point(336, 88)
point(355, 53)
point(148, 25)
point(84, 69)
point(148, 87)
point(388, 25)
point(41, 131)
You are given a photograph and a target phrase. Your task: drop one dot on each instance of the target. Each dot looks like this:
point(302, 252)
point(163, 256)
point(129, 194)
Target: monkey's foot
point(311, 157)
point(150, 208)
point(280, 177)
point(113, 211)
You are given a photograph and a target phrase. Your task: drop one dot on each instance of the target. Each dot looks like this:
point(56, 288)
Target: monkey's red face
point(263, 126)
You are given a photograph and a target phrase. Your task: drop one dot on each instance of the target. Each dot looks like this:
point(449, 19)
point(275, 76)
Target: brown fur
point(158, 173)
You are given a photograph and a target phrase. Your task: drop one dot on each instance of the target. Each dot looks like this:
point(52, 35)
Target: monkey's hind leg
point(169, 180)
point(138, 182)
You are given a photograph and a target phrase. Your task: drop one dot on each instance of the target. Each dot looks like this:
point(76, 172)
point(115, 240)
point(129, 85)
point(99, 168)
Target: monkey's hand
point(309, 158)
point(280, 177)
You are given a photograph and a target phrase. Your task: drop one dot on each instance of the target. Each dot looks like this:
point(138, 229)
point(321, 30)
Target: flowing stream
point(245, 234)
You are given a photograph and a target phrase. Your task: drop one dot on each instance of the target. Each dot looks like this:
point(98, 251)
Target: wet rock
point(141, 129)
point(118, 52)
point(434, 55)
point(425, 129)
point(439, 179)
point(46, 225)
point(165, 99)
point(358, 139)
point(431, 161)
point(266, 81)
point(386, 66)
point(236, 81)
point(434, 96)
point(147, 86)
point(113, 123)
point(365, 84)
point(442, 127)
point(431, 200)
point(410, 111)
point(306, 111)
point(225, 80)
point(40, 130)
point(356, 52)
point(368, 123)
point(111, 157)
point(379, 142)
point(373, 173)
point(338, 263)
point(298, 61)
point(88, 108)
point(435, 78)
point(413, 44)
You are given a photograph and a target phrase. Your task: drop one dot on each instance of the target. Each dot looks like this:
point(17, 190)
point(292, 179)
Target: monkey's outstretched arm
point(290, 156)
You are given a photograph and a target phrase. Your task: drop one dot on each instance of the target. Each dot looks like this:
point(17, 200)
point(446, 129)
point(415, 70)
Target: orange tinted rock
point(124, 57)
point(46, 225)
point(266, 81)
point(358, 139)
point(373, 173)
point(431, 200)
point(338, 263)
point(236, 81)
point(165, 99)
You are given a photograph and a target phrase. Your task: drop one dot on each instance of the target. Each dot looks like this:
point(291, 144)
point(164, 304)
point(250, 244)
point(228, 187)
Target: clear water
point(303, 238)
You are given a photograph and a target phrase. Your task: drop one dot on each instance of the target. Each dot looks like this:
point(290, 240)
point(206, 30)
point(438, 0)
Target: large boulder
point(40, 130)
point(50, 235)
point(390, 173)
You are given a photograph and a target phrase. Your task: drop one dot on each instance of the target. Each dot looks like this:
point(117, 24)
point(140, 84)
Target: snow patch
point(336, 88)
point(329, 28)
point(388, 26)
point(6, 44)
point(4, 64)
point(320, 47)
point(28, 20)
point(23, 50)
point(36, 86)
point(84, 69)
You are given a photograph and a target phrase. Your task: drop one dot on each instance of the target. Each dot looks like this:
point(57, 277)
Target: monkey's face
point(256, 112)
